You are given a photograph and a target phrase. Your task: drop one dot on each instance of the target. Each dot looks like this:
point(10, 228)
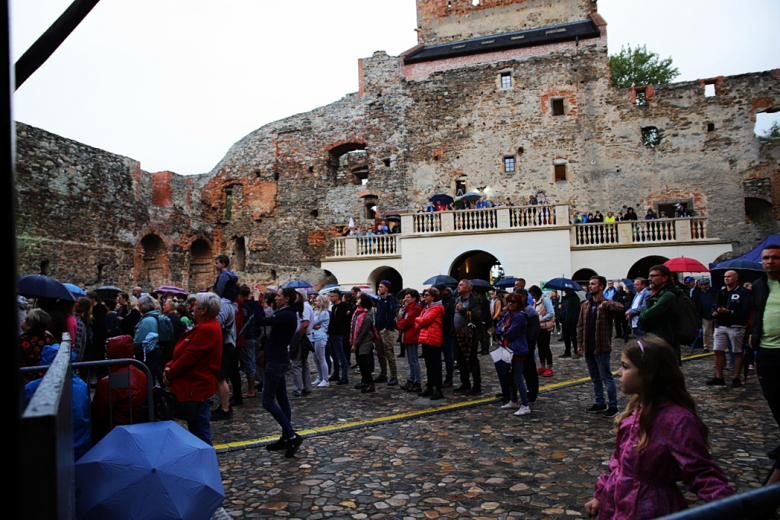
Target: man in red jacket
point(192, 373)
point(119, 347)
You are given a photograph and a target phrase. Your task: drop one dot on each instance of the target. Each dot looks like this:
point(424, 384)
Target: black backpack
point(688, 321)
point(167, 338)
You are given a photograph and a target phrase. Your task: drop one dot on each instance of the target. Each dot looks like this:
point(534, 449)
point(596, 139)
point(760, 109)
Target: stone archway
point(582, 276)
point(386, 273)
point(475, 264)
point(155, 261)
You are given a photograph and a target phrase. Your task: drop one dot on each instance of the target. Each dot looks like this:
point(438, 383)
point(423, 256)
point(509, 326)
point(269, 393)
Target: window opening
point(228, 202)
point(520, 151)
point(710, 127)
point(239, 250)
point(560, 172)
point(100, 268)
point(45, 268)
point(370, 205)
point(387, 162)
point(768, 124)
point(557, 107)
point(361, 174)
point(509, 164)
point(506, 79)
point(641, 97)
point(460, 186)
point(651, 136)
point(314, 213)
point(709, 90)
point(311, 169)
point(276, 176)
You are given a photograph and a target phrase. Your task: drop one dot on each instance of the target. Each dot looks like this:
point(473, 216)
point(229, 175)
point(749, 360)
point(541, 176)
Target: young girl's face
point(629, 376)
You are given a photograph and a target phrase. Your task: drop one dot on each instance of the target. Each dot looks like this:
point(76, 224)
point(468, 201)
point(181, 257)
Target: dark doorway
point(389, 274)
point(642, 267)
point(473, 265)
point(582, 276)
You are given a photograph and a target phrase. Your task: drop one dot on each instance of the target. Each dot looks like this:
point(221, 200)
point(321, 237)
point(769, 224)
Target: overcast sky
point(174, 83)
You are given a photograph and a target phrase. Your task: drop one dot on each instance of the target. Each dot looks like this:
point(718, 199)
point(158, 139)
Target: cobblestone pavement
point(470, 462)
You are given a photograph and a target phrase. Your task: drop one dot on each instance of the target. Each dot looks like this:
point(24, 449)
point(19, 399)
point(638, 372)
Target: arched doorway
point(155, 260)
point(583, 276)
point(201, 265)
point(474, 265)
point(642, 268)
point(389, 274)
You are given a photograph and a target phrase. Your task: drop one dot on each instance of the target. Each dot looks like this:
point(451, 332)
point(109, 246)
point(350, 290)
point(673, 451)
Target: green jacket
point(659, 317)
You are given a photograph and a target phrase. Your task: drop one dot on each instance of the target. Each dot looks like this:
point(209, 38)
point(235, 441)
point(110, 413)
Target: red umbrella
point(685, 265)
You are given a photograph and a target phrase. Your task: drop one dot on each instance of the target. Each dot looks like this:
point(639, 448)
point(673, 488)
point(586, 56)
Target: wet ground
point(393, 455)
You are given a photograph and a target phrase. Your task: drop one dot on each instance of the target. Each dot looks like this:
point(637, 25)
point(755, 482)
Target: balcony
point(520, 219)
point(642, 232)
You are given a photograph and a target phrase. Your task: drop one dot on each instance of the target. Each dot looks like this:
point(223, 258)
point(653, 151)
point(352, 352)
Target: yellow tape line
point(407, 415)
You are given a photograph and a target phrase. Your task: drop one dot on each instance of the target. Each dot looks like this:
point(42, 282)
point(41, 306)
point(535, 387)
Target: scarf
point(357, 322)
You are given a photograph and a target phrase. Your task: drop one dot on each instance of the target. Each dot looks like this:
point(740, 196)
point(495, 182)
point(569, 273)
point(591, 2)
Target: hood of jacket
point(120, 347)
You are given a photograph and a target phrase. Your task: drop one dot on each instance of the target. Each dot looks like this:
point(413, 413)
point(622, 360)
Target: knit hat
point(386, 284)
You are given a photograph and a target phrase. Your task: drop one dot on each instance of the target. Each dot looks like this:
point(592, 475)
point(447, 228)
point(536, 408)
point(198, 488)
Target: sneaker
point(596, 408)
point(729, 367)
point(736, 382)
point(612, 411)
point(393, 381)
point(462, 389)
point(278, 445)
point(541, 370)
point(305, 392)
point(221, 415)
point(475, 391)
point(343, 381)
point(381, 379)
point(548, 373)
point(511, 406)
point(577, 356)
point(447, 384)
point(296, 394)
point(716, 381)
point(368, 389)
point(564, 356)
point(316, 382)
point(323, 383)
point(751, 367)
point(293, 445)
point(523, 410)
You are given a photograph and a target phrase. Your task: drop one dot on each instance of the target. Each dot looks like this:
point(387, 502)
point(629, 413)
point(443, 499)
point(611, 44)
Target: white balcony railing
point(640, 232)
point(379, 245)
point(489, 219)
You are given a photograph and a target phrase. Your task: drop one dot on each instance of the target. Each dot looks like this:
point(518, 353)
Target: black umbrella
point(402, 293)
point(108, 291)
point(561, 284)
point(442, 279)
point(509, 281)
point(471, 196)
point(476, 283)
point(39, 286)
point(441, 197)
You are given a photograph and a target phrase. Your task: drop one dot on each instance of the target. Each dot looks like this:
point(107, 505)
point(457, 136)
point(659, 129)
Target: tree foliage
point(634, 67)
point(773, 132)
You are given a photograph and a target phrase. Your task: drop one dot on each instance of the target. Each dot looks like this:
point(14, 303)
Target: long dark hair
point(661, 379)
point(292, 299)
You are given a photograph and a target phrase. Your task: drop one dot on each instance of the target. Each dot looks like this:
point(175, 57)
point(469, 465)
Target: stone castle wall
point(279, 195)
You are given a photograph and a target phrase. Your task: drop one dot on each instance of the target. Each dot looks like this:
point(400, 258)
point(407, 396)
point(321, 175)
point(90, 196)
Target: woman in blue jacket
point(513, 328)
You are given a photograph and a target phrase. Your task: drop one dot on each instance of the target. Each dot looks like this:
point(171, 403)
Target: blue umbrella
point(75, 290)
point(151, 471)
point(561, 284)
point(630, 285)
point(443, 198)
point(39, 286)
point(442, 279)
point(509, 281)
point(300, 284)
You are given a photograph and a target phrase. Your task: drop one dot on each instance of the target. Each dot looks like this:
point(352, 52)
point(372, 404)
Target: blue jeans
point(200, 427)
point(275, 389)
point(337, 342)
point(246, 355)
point(601, 375)
point(502, 370)
point(412, 355)
point(449, 360)
point(517, 384)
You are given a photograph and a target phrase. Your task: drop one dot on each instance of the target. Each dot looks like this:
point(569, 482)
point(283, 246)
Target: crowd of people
point(627, 214)
point(199, 347)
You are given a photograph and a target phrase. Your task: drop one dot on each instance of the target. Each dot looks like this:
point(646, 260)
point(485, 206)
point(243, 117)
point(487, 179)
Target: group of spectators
point(437, 204)
point(628, 214)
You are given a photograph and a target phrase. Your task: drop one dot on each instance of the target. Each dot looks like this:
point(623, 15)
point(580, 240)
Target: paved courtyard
point(394, 455)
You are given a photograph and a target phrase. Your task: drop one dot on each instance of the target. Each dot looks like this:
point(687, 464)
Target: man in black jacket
point(731, 312)
point(386, 327)
point(766, 332)
point(338, 335)
point(468, 317)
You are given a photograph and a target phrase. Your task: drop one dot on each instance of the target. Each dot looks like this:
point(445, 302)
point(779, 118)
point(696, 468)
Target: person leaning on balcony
point(598, 217)
point(610, 217)
point(630, 214)
point(650, 214)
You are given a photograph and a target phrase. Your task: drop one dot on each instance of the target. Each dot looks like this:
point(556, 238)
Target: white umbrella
point(351, 223)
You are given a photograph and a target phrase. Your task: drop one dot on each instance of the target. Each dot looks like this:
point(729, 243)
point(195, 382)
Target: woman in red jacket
point(430, 324)
point(409, 338)
point(192, 373)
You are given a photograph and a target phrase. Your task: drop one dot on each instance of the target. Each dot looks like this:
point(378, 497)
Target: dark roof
point(500, 42)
